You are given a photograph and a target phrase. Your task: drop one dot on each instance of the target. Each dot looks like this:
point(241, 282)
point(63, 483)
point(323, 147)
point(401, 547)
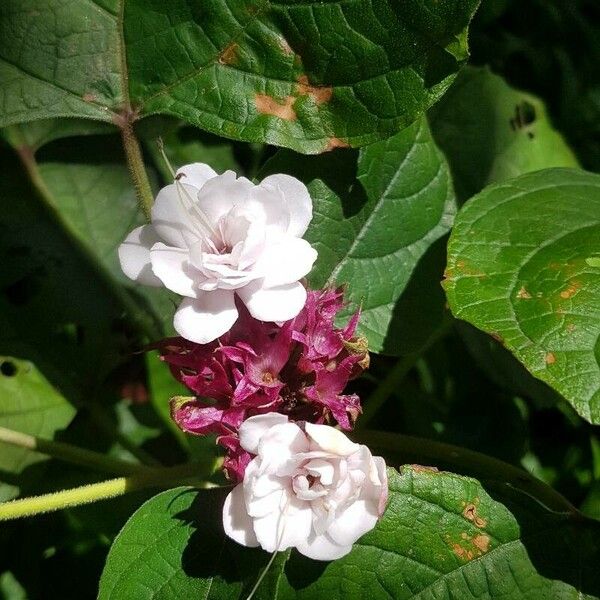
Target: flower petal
point(253, 428)
point(204, 319)
point(171, 266)
point(221, 193)
point(353, 522)
point(296, 198)
point(134, 255)
point(331, 440)
point(285, 261)
point(322, 547)
point(279, 303)
point(195, 174)
point(171, 215)
point(284, 527)
point(236, 521)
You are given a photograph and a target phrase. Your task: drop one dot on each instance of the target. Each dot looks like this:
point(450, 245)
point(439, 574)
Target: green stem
point(385, 389)
point(404, 449)
point(135, 162)
point(69, 453)
point(162, 478)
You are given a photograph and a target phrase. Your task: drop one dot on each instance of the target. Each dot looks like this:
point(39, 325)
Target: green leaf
point(491, 132)
point(442, 536)
point(517, 269)
point(58, 308)
point(28, 404)
point(309, 76)
point(36, 134)
point(375, 217)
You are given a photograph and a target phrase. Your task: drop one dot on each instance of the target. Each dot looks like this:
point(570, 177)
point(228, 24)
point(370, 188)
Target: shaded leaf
point(491, 132)
point(28, 404)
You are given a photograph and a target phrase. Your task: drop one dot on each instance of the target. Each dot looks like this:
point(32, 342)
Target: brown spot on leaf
point(462, 553)
point(319, 93)
point(497, 337)
point(334, 142)
point(229, 55)
point(424, 469)
point(287, 49)
point(87, 97)
point(571, 290)
point(571, 327)
point(266, 105)
point(482, 542)
point(550, 358)
point(470, 513)
point(523, 294)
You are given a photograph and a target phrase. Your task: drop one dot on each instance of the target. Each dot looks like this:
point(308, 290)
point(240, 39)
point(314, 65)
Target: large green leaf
point(522, 265)
point(307, 75)
point(491, 132)
point(375, 216)
point(442, 536)
point(28, 404)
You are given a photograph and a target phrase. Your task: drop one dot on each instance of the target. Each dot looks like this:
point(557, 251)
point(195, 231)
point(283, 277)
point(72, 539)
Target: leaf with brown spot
point(532, 235)
point(319, 93)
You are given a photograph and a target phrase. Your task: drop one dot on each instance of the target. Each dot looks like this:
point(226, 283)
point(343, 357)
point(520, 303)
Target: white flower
point(213, 236)
point(314, 490)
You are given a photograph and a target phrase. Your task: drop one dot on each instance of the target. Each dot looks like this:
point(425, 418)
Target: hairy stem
point(70, 453)
point(163, 478)
point(135, 162)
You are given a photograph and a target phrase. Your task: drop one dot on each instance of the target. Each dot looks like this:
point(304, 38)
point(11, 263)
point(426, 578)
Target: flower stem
point(400, 449)
point(385, 389)
point(35, 505)
point(135, 162)
point(70, 453)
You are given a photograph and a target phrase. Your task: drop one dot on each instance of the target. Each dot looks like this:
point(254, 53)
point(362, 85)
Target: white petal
point(261, 507)
point(354, 522)
point(221, 193)
point(171, 266)
point(280, 530)
point(322, 547)
point(253, 428)
point(134, 255)
point(321, 468)
point(204, 319)
point(285, 261)
point(297, 199)
point(279, 303)
point(171, 215)
point(270, 202)
point(196, 174)
point(331, 440)
point(280, 443)
point(236, 521)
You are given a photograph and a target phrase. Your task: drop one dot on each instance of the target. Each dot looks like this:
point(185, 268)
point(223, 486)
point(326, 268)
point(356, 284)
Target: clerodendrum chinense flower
point(213, 237)
point(310, 488)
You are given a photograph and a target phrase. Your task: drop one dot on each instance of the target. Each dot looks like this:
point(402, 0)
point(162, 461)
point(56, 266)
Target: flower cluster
point(267, 365)
point(299, 369)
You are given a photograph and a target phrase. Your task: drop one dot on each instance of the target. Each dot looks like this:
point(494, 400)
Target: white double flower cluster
point(212, 238)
